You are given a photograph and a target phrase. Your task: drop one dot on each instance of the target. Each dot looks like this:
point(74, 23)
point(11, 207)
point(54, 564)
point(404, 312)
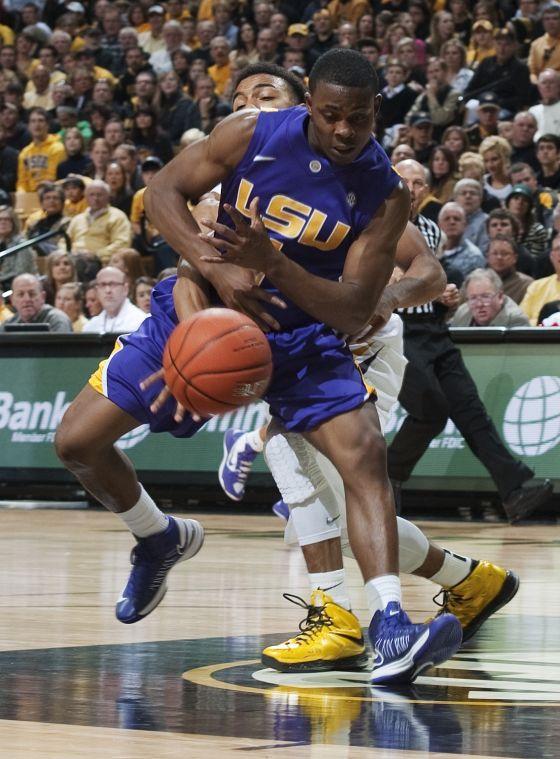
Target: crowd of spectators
point(95, 97)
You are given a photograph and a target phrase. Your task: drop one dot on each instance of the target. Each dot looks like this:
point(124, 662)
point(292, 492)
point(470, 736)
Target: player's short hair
point(295, 85)
point(345, 68)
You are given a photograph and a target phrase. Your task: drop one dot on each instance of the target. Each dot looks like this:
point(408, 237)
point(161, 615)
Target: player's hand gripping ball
point(217, 361)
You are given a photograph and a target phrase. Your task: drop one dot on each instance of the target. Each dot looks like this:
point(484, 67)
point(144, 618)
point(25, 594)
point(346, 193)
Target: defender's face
point(262, 91)
point(342, 120)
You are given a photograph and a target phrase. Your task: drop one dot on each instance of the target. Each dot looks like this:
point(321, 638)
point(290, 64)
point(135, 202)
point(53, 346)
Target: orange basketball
point(217, 361)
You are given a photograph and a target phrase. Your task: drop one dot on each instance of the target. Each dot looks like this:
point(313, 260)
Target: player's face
point(342, 120)
point(262, 91)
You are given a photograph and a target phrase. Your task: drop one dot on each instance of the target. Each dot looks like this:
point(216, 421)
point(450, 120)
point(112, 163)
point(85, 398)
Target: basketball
point(217, 361)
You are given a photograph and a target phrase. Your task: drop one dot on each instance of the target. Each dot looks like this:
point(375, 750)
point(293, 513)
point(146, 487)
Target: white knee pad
point(311, 486)
point(293, 465)
point(413, 546)
point(313, 521)
point(314, 511)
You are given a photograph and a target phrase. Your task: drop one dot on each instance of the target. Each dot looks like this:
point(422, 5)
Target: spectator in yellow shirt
point(39, 160)
point(74, 192)
point(544, 52)
point(543, 291)
point(5, 312)
point(143, 231)
point(102, 229)
point(220, 71)
point(40, 94)
point(482, 43)
point(6, 35)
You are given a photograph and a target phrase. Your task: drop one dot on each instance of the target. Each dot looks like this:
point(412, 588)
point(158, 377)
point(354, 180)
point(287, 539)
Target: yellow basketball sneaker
point(330, 639)
point(485, 590)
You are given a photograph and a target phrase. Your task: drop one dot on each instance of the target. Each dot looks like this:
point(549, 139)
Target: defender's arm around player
point(336, 131)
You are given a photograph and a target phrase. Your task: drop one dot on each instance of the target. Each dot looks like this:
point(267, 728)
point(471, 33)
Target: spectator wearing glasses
point(119, 315)
point(486, 303)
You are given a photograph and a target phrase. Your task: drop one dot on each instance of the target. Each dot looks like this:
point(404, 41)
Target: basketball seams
point(238, 344)
point(229, 371)
point(213, 340)
point(189, 385)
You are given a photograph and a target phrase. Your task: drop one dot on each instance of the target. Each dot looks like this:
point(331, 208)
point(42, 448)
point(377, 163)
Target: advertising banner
point(519, 384)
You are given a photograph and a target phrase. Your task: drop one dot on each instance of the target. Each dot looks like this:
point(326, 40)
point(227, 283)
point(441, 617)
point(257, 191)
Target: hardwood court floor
point(187, 682)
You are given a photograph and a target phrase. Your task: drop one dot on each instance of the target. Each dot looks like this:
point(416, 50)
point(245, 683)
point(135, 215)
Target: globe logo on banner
point(134, 437)
point(532, 418)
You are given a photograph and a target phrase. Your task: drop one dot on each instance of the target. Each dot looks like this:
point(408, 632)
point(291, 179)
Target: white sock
point(382, 590)
point(334, 584)
point(453, 570)
point(144, 518)
point(254, 440)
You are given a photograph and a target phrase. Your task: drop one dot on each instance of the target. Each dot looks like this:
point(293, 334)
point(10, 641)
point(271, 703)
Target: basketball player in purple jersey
point(333, 211)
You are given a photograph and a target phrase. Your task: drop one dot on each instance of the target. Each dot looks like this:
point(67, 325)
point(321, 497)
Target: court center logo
point(532, 418)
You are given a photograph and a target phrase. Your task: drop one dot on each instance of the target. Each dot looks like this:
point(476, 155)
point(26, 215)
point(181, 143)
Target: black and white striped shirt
point(432, 234)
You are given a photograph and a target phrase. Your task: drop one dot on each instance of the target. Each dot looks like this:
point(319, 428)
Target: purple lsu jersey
point(313, 210)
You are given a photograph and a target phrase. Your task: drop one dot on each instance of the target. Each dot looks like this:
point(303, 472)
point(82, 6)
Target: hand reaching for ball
point(164, 394)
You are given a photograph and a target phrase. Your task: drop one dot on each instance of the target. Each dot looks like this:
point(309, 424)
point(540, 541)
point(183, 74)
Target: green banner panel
point(518, 382)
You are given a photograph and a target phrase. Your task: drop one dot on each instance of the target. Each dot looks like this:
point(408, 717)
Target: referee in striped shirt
point(438, 386)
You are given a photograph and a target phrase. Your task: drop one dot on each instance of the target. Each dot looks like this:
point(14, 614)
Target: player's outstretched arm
point(190, 293)
point(424, 278)
point(192, 173)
